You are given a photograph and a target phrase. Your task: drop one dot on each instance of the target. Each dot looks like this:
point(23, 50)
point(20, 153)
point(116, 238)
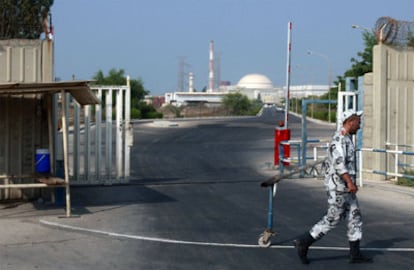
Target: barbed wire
point(394, 32)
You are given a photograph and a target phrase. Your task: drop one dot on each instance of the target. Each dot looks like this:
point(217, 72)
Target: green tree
point(114, 77)
point(147, 111)
point(410, 39)
point(118, 77)
point(23, 18)
point(139, 109)
point(362, 64)
point(238, 104)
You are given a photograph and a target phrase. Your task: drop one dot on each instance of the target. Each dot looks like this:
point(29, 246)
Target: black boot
point(355, 254)
point(302, 246)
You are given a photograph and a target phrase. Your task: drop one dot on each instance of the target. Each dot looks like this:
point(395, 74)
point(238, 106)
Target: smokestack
point(211, 68)
point(190, 82)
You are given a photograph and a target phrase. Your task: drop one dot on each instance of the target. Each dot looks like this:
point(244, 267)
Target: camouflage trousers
point(341, 205)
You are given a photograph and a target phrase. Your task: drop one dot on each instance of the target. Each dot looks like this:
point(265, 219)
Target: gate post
point(108, 137)
point(305, 103)
point(118, 131)
point(129, 133)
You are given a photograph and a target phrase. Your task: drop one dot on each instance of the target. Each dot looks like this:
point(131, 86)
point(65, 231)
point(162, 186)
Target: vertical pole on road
point(289, 48)
point(282, 132)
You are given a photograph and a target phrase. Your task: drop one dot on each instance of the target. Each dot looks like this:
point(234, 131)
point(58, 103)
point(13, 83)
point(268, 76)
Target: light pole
point(379, 35)
point(356, 26)
point(309, 81)
point(328, 62)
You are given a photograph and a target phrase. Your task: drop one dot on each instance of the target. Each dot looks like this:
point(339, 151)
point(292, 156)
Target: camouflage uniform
point(341, 159)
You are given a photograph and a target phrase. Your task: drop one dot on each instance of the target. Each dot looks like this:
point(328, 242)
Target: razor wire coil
point(394, 32)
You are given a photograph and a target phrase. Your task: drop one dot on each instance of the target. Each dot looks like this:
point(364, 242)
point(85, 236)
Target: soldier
point(340, 183)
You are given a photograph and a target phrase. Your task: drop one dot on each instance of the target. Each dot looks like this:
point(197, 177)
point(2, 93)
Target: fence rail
point(301, 158)
point(397, 164)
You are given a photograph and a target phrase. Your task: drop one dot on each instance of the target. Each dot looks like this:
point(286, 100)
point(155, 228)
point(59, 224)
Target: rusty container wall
point(23, 119)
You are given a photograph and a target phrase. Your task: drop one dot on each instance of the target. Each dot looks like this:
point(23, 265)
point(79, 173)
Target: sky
point(149, 39)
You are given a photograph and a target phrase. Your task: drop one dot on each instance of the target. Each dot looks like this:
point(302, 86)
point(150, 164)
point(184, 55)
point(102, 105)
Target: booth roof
point(80, 90)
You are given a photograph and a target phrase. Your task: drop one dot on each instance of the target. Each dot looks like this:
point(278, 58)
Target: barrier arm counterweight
point(271, 183)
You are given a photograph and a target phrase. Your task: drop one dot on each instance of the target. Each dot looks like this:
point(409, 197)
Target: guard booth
point(31, 104)
point(26, 125)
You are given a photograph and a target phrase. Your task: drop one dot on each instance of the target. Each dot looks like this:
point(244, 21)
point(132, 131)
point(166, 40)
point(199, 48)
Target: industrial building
point(255, 86)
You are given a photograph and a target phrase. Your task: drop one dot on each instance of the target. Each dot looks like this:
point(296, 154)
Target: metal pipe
point(65, 152)
point(108, 129)
point(118, 131)
point(98, 136)
point(39, 185)
point(305, 103)
point(328, 61)
point(76, 140)
point(129, 135)
point(87, 151)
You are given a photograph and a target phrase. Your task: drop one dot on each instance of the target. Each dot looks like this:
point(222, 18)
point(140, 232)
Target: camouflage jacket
point(341, 159)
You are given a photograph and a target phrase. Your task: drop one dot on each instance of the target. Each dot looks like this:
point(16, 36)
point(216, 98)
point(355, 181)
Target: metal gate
point(346, 100)
point(100, 138)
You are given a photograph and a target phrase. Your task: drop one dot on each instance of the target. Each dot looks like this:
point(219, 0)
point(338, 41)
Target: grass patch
point(405, 181)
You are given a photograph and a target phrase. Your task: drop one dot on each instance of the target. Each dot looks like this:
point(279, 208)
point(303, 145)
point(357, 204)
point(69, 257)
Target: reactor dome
point(255, 81)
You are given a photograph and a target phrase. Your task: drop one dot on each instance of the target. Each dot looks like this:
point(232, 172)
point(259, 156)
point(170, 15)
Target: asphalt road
point(195, 202)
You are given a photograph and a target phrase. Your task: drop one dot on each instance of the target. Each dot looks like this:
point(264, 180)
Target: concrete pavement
point(201, 209)
point(37, 236)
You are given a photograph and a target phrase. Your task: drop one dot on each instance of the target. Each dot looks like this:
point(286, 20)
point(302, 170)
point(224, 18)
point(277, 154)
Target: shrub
point(135, 113)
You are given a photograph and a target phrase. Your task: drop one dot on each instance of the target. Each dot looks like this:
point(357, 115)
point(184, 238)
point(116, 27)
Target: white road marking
point(172, 241)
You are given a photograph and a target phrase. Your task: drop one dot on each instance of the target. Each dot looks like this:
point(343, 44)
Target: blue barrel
point(42, 161)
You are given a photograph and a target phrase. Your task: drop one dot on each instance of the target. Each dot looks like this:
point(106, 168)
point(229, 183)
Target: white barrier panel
point(99, 149)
